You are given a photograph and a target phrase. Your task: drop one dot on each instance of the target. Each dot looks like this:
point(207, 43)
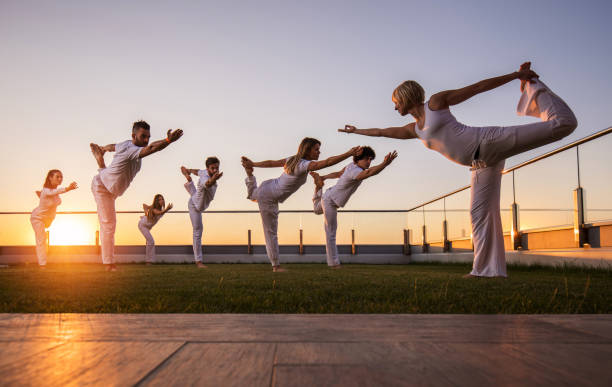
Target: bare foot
point(336, 267)
point(470, 276)
point(42, 267)
point(98, 154)
point(149, 263)
point(318, 180)
point(278, 269)
point(185, 173)
point(200, 265)
point(111, 267)
point(524, 66)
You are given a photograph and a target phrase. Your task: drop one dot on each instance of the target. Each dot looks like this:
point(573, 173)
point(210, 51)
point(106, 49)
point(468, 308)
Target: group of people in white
point(484, 149)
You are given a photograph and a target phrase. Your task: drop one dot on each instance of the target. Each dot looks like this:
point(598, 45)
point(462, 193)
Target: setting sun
point(70, 230)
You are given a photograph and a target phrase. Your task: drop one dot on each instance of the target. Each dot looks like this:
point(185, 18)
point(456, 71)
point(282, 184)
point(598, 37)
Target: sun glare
point(68, 230)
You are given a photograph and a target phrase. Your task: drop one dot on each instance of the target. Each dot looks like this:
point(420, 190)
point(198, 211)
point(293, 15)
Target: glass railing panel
point(458, 215)
point(596, 178)
point(434, 216)
point(544, 191)
point(414, 220)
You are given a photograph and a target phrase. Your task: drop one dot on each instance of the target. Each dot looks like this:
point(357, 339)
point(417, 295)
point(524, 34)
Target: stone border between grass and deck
point(366, 254)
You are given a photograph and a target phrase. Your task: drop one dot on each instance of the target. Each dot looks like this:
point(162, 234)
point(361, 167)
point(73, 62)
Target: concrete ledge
point(596, 258)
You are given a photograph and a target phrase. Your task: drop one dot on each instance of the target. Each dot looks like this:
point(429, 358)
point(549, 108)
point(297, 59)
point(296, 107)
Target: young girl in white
point(483, 148)
point(349, 179)
point(274, 191)
point(199, 200)
point(43, 215)
point(152, 214)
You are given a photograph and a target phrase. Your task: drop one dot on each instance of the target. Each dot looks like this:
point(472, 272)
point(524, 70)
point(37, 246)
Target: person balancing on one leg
point(350, 177)
point(112, 181)
point(199, 200)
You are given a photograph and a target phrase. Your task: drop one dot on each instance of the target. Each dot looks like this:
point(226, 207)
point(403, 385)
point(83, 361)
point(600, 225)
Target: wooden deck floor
point(305, 350)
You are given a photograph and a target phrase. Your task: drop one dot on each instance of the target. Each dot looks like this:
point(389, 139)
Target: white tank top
point(149, 223)
point(444, 134)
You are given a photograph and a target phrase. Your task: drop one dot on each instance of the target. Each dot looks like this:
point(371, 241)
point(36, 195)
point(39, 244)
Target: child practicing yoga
point(199, 200)
point(349, 179)
point(43, 215)
point(152, 214)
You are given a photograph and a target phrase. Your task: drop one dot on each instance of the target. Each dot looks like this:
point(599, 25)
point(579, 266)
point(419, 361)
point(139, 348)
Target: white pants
point(150, 247)
point(105, 202)
point(324, 205)
point(196, 222)
point(268, 209)
point(499, 143)
point(41, 236)
point(487, 232)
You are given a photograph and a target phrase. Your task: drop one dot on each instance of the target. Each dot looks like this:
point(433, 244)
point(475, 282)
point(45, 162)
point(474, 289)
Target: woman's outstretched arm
point(333, 175)
point(444, 99)
point(328, 162)
point(402, 132)
point(246, 162)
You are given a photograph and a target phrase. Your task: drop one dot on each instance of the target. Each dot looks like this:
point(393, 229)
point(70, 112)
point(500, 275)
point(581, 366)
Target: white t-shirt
point(286, 184)
point(204, 195)
point(345, 187)
point(125, 165)
point(49, 200)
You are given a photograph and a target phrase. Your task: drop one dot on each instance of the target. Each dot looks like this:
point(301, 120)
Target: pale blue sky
point(253, 78)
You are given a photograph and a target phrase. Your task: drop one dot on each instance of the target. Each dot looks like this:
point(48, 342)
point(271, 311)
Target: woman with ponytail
point(152, 214)
point(274, 191)
point(43, 215)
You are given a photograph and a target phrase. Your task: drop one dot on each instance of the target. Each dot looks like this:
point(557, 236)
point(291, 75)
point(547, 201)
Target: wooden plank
point(220, 364)
point(80, 363)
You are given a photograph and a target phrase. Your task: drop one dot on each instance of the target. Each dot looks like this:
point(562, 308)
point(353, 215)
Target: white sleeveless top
point(444, 134)
point(285, 185)
point(148, 223)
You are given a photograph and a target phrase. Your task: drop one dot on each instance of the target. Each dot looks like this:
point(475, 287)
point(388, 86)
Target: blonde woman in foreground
point(271, 192)
point(483, 148)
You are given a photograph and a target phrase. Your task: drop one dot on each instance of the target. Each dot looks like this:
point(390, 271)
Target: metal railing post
point(580, 235)
point(515, 234)
point(249, 245)
point(407, 242)
point(425, 246)
point(446, 247)
point(301, 242)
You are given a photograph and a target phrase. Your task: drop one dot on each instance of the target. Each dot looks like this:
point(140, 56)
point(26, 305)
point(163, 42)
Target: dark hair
point(140, 124)
point(155, 205)
point(211, 160)
point(367, 152)
point(49, 175)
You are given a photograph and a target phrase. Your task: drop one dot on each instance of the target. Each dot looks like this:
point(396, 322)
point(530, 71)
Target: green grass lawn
point(305, 288)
